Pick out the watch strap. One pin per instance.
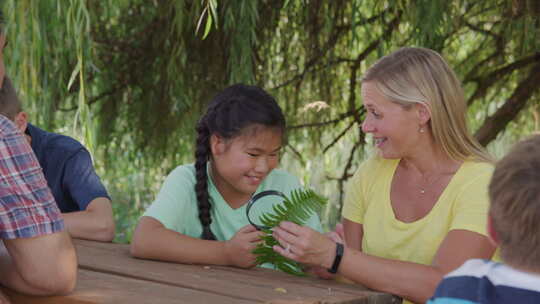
(337, 259)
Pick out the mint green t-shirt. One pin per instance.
(176, 204)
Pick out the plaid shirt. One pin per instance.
(27, 207)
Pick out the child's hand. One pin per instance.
(3, 299)
(340, 231)
(337, 235)
(239, 248)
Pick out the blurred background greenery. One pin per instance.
(129, 78)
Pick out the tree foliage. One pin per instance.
(132, 77)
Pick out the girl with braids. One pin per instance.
(199, 214)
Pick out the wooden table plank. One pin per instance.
(96, 287)
(256, 285)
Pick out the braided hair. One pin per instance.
(228, 114)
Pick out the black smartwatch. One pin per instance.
(337, 259)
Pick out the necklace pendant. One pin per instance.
(422, 191)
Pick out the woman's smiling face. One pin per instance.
(395, 129)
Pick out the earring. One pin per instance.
(421, 130)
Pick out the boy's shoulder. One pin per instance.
(474, 267)
(484, 281)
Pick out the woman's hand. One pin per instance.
(4, 299)
(239, 248)
(304, 245)
(336, 236)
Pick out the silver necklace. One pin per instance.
(424, 189)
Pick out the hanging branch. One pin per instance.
(497, 122)
(324, 123)
(485, 82)
(346, 175)
(296, 153)
(330, 44)
(340, 135)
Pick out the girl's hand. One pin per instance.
(338, 235)
(3, 299)
(304, 245)
(239, 248)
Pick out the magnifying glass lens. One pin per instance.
(262, 206)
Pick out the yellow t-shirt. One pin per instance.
(462, 205)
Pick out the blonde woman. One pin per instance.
(417, 209)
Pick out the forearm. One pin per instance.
(45, 265)
(10, 277)
(95, 223)
(415, 282)
(167, 245)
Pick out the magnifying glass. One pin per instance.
(265, 201)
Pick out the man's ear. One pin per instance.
(424, 113)
(217, 144)
(21, 121)
(492, 234)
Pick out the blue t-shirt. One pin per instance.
(68, 169)
(482, 281)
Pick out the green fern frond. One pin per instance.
(297, 208)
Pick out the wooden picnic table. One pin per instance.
(108, 274)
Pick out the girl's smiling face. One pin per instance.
(240, 164)
(395, 129)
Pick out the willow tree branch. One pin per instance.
(324, 123)
(346, 175)
(497, 122)
(340, 135)
(95, 99)
(356, 64)
(296, 153)
(485, 82)
(310, 66)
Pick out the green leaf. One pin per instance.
(297, 208)
(208, 26)
(74, 75)
(199, 22)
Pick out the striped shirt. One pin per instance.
(484, 281)
(27, 207)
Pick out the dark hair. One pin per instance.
(514, 192)
(10, 105)
(228, 114)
